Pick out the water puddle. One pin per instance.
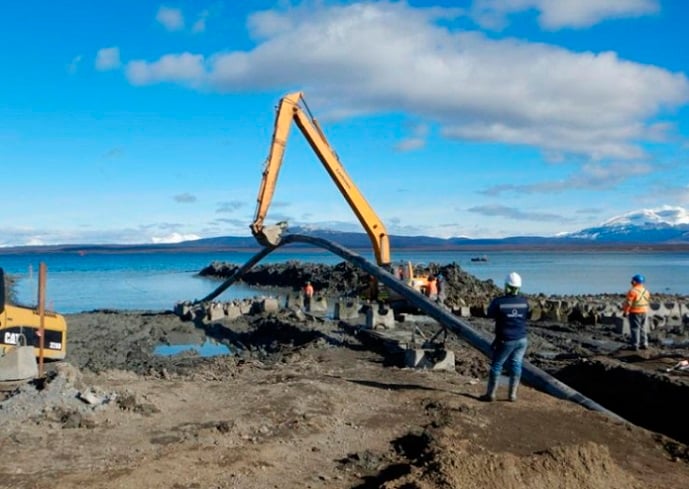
(208, 349)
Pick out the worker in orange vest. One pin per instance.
(432, 288)
(636, 307)
(308, 294)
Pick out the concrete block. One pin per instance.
(245, 306)
(232, 311)
(440, 359)
(347, 308)
(319, 305)
(18, 364)
(184, 311)
(414, 358)
(269, 305)
(294, 301)
(380, 319)
(621, 325)
(215, 311)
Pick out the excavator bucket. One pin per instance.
(271, 235)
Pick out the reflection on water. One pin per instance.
(209, 349)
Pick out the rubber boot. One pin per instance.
(512, 393)
(489, 396)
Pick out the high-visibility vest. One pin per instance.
(637, 300)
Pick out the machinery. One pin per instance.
(20, 335)
(293, 107)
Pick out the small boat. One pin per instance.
(479, 258)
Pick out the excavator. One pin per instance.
(20, 337)
(292, 107)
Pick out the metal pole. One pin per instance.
(41, 314)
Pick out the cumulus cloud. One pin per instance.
(184, 68)
(557, 14)
(170, 18)
(108, 59)
(390, 57)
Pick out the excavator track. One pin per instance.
(531, 375)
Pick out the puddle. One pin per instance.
(208, 349)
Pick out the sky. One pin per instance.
(138, 121)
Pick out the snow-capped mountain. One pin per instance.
(664, 225)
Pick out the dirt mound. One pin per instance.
(586, 466)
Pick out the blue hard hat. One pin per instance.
(638, 278)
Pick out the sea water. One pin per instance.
(156, 281)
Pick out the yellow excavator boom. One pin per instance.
(290, 109)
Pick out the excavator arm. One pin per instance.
(290, 109)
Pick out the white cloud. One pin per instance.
(557, 14)
(108, 59)
(383, 57)
(170, 18)
(184, 68)
(174, 238)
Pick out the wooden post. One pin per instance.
(41, 314)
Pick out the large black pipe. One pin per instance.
(531, 374)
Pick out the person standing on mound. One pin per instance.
(510, 312)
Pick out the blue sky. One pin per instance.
(140, 121)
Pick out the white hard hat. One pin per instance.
(513, 279)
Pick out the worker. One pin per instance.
(308, 295)
(510, 312)
(636, 308)
(442, 288)
(432, 288)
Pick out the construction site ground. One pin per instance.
(307, 404)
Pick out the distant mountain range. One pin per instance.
(665, 228)
(667, 225)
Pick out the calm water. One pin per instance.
(156, 281)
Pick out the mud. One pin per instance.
(303, 402)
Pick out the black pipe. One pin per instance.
(531, 374)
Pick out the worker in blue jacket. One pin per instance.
(510, 312)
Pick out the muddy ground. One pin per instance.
(308, 402)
